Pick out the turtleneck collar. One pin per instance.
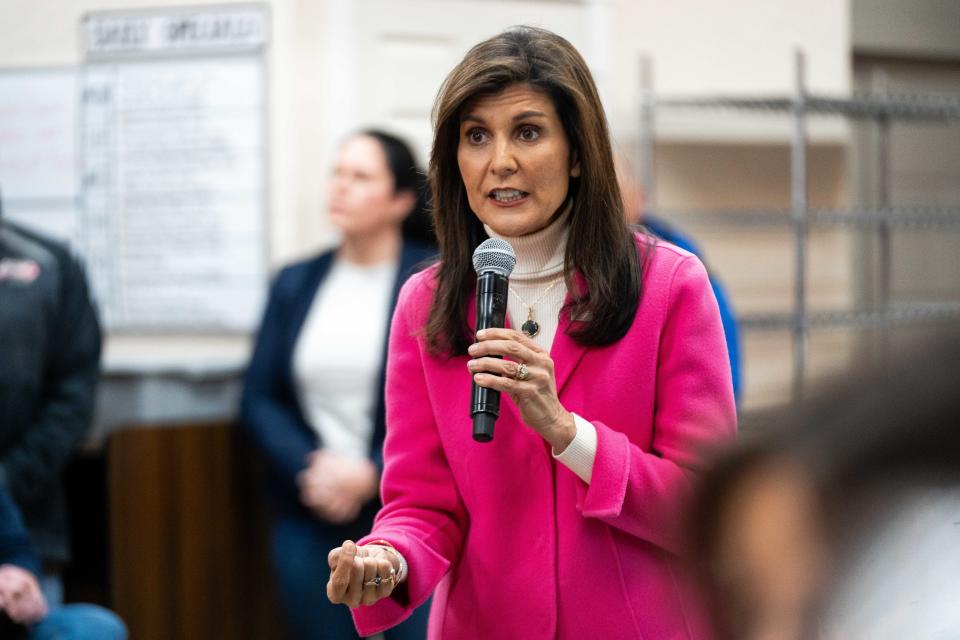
(542, 253)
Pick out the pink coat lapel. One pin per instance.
(566, 352)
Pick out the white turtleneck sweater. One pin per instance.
(537, 283)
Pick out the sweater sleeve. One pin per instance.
(422, 515)
(65, 410)
(582, 450)
(644, 493)
(267, 410)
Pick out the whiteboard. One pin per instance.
(154, 172)
(174, 191)
(38, 149)
(151, 160)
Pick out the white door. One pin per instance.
(394, 55)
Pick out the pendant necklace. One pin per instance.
(531, 327)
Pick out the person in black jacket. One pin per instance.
(49, 367)
(313, 394)
(24, 612)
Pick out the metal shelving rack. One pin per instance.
(881, 108)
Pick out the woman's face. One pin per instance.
(515, 160)
(362, 199)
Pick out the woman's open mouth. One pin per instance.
(507, 197)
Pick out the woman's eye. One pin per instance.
(476, 136)
(529, 134)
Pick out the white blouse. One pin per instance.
(339, 354)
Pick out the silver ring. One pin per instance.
(523, 372)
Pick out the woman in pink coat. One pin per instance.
(568, 524)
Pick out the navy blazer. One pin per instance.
(270, 410)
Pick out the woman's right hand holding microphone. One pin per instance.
(362, 575)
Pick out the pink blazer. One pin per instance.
(513, 542)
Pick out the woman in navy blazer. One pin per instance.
(323, 440)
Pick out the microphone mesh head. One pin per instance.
(494, 255)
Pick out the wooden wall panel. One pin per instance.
(188, 536)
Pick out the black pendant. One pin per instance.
(530, 327)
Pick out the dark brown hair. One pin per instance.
(417, 226)
(601, 247)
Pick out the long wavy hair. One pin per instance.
(601, 248)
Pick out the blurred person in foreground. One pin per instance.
(313, 394)
(24, 611)
(566, 525)
(49, 368)
(842, 520)
(634, 208)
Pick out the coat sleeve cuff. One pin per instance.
(607, 491)
(580, 453)
(425, 570)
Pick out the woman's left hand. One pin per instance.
(534, 394)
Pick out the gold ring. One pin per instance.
(379, 580)
(523, 372)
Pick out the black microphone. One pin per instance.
(493, 261)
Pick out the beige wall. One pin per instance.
(924, 171)
(756, 263)
(731, 47)
(907, 28)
